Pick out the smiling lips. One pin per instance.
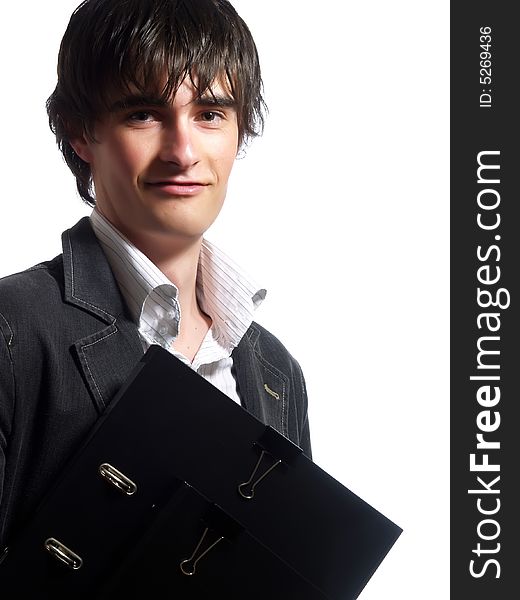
(177, 187)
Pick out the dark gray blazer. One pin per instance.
(67, 343)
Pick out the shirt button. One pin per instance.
(170, 314)
(163, 330)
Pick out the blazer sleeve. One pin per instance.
(302, 412)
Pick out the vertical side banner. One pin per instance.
(485, 274)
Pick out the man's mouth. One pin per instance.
(177, 186)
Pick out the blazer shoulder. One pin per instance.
(34, 286)
(30, 296)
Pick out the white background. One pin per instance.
(341, 210)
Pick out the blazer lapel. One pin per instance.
(263, 389)
(107, 355)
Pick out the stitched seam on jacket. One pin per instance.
(304, 395)
(253, 331)
(8, 344)
(7, 499)
(87, 365)
(10, 341)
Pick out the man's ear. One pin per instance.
(82, 148)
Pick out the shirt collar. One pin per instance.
(224, 291)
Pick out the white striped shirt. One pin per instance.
(223, 291)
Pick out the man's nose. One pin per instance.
(178, 144)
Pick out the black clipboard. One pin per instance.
(170, 450)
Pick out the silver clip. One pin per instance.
(63, 554)
(243, 486)
(184, 564)
(117, 479)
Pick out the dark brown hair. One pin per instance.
(112, 46)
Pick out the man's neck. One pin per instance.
(178, 260)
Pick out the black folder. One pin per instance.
(179, 491)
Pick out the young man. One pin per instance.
(154, 99)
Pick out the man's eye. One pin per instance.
(141, 116)
(211, 116)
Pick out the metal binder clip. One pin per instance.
(279, 449)
(190, 570)
(117, 479)
(63, 554)
(243, 490)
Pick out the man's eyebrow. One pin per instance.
(139, 100)
(216, 100)
(135, 101)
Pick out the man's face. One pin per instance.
(162, 169)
